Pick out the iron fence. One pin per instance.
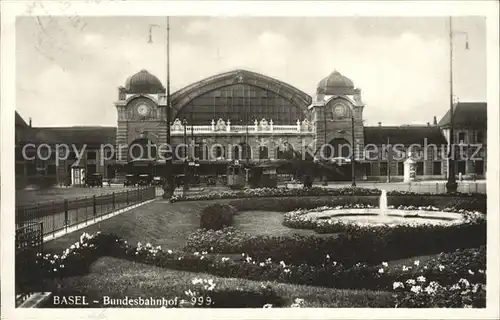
(59, 215)
(29, 244)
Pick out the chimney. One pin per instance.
(435, 121)
(30, 122)
(380, 124)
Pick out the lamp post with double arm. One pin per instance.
(451, 184)
(168, 186)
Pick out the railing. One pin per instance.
(29, 244)
(60, 215)
(263, 126)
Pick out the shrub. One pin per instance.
(217, 216)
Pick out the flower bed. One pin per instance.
(299, 219)
(278, 192)
(317, 191)
(355, 243)
(450, 280)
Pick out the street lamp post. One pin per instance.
(184, 124)
(168, 187)
(353, 169)
(451, 184)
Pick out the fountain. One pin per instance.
(387, 215)
(383, 203)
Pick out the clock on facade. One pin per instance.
(143, 110)
(339, 110)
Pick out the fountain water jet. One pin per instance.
(383, 203)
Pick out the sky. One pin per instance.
(68, 69)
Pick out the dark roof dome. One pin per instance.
(144, 82)
(335, 83)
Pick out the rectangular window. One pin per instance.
(368, 169)
(461, 167)
(420, 168)
(383, 168)
(461, 137)
(401, 168)
(479, 167)
(436, 168)
(479, 137)
(111, 172)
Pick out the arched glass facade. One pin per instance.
(240, 103)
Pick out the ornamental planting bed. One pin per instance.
(361, 264)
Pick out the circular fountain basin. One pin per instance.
(390, 216)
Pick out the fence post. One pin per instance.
(476, 186)
(94, 205)
(66, 214)
(54, 218)
(127, 197)
(86, 206)
(437, 188)
(114, 201)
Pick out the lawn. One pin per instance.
(267, 223)
(158, 222)
(119, 278)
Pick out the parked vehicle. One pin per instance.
(130, 180)
(158, 181)
(94, 180)
(144, 180)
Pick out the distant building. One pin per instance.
(470, 127)
(245, 116)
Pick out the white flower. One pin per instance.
(334, 263)
(464, 282)
(421, 279)
(385, 264)
(471, 272)
(430, 290)
(480, 271)
(411, 282)
(328, 256)
(55, 269)
(169, 251)
(262, 264)
(441, 267)
(396, 285)
(268, 305)
(405, 268)
(455, 287)
(416, 289)
(196, 253)
(381, 270)
(417, 262)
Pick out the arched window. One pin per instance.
(218, 152)
(242, 151)
(286, 151)
(263, 153)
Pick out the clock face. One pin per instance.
(143, 109)
(339, 110)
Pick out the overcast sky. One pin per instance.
(68, 70)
